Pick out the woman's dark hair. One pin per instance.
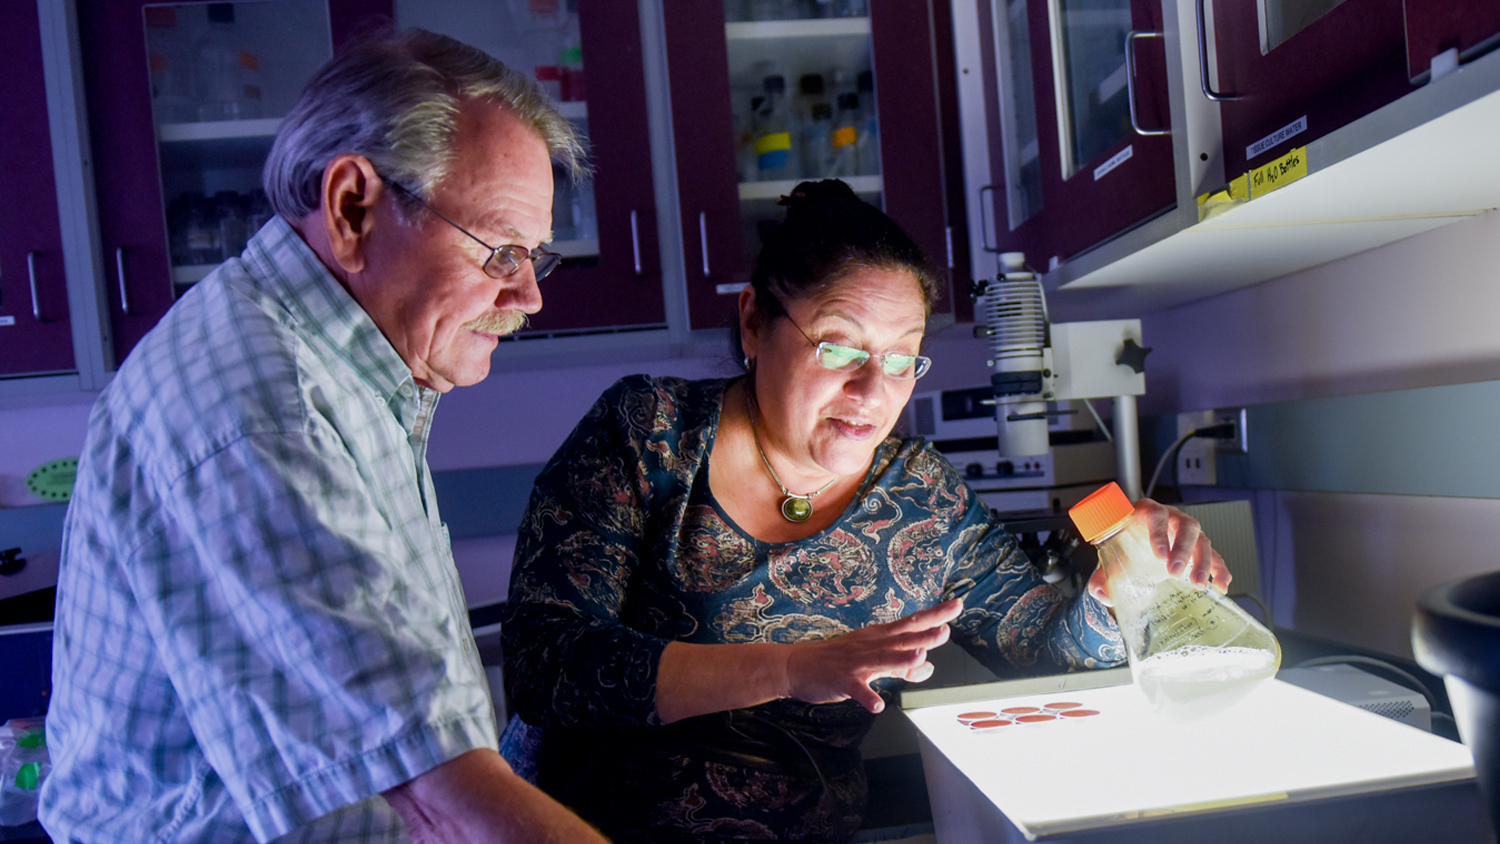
(828, 233)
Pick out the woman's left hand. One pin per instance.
(1178, 539)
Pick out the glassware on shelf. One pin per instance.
(845, 159)
(570, 62)
(774, 153)
(257, 212)
(200, 232)
(229, 211)
(868, 142)
(817, 142)
(228, 75)
(171, 67)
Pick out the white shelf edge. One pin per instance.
(810, 28)
(772, 191)
(218, 130)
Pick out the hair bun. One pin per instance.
(810, 193)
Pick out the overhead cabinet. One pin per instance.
(35, 330)
(1299, 132)
(1287, 72)
(745, 85)
(1084, 129)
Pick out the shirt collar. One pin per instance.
(325, 312)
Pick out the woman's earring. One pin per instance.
(749, 363)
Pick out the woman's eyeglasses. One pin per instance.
(847, 359)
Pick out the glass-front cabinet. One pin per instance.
(183, 102)
(35, 334)
(1080, 125)
(1286, 72)
(767, 93)
(605, 226)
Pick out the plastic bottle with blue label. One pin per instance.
(775, 154)
(1192, 650)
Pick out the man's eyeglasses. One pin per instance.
(847, 359)
(502, 260)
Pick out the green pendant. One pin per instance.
(796, 509)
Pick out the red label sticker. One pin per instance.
(1034, 719)
(1021, 710)
(990, 724)
(1079, 713)
(975, 716)
(1058, 707)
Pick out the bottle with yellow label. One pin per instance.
(1191, 649)
(775, 156)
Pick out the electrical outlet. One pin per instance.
(1241, 442)
(1197, 462)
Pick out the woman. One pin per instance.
(711, 575)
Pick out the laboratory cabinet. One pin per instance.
(1446, 33)
(752, 88)
(177, 151)
(589, 58)
(183, 101)
(1080, 123)
(1300, 132)
(1290, 71)
(35, 332)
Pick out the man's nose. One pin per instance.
(521, 293)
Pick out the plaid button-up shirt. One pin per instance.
(259, 624)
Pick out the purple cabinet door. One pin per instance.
(1096, 153)
(1303, 78)
(703, 132)
(622, 286)
(907, 66)
(127, 180)
(1107, 149)
(1434, 27)
(35, 336)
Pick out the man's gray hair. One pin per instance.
(394, 99)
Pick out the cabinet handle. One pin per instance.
(635, 241)
(1208, 90)
(984, 228)
(36, 303)
(1130, 39)
(703, 238)
(120, 271)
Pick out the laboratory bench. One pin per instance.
(899, 808)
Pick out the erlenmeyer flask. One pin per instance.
(1191, 649)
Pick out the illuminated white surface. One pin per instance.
(1128, 763)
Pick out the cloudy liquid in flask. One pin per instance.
(1192, 650)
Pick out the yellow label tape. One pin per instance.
(1279, 173)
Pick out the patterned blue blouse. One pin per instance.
(624, 548)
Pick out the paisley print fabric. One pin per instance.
(623, 548)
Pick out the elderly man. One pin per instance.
(260, 631)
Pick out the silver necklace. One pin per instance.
(794, 507)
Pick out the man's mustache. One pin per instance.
(499, 322)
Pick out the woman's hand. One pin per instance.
(841, 668)
(1178, 539)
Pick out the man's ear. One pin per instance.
(350, 190)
